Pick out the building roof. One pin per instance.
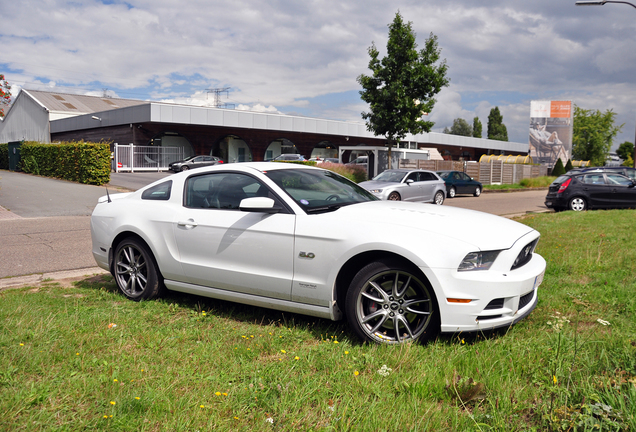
(79, 104)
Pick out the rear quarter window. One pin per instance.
(160, 192)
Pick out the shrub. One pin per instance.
(4, 156)
(354, 173)
(558, 168)
(79, 161)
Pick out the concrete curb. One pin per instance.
(38, 278)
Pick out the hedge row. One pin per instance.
(78, 161)
(4, 156)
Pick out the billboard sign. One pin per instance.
(550, 131)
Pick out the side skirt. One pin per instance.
(270, 303)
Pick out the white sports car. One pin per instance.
(306, 240)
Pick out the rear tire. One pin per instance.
(390, 303)
(577, 204)
(439, 198)
(136, 271)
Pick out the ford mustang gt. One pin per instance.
(306, 240)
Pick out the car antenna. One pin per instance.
(108, 195)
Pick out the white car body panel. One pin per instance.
(291, 260)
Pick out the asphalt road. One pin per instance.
(45, 223)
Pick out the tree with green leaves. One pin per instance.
(5, 94)
(625, 150)
(496, 129)
(593, 134)
(558, 168)
(402, 85)
(568, 165)
(460, 127)
(477, 128)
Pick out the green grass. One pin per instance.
(542, 182)
(190, 363)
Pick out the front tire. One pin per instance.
(185, 168)
(477, 191)
(452, 192)
(394, 196)
(136, 272)
(439, 198)
(389, 303)
(577, 204)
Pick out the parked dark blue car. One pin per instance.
(458, 182)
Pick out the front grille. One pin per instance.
(525, 255)
(525, 299)
(495, 304)
(489, 317)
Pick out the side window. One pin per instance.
(465, 177)
(412, 176)
(618, 179)
(160, 192)
(426, 176)
(223, 191)
(595, 179)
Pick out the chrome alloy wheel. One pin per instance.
(393, 307)
(131, 270)
(577, 204)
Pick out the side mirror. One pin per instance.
(258, 205)
(409, 181)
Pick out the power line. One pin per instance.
(217, 97)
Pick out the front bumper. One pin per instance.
(497, 298)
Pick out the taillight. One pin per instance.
(564, 185)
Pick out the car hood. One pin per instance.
(482, 230)
(372, 184)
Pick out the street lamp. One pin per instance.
(601, 3)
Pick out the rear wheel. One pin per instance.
(452, 192)
(477, 191)
(394, 196)
(439, 198)
(387, 302)
(136, 272)
(577, 204)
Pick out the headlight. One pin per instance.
(376, 191)
(478, 261)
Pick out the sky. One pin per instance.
(303, 57)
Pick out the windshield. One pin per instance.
(390, 176)
(319, 190)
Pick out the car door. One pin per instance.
(622, 192)
(223, 247)
(427, 185)
(596, 191)
(410, 191)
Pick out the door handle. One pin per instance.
(189, 224)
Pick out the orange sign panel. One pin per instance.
(561, 109)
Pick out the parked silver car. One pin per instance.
(407, 185)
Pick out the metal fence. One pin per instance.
(495, 172)
(144, 158)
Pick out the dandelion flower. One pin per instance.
(356, 373)
(203, 313)
(224, 394)
(236, 418)
(201, 406)
(218, 393)
(346, 352)
(115, 380)
(283, 351)
(137, 397)
(554, 379)
(113, 402)
(21, 344)
(296, 358)
(335, 341)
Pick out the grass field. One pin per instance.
(85, 358)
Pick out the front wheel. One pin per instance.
(387, 302)
(185, 168)
(439, 198)
(452, 192)
(477, 191)
(394, 196)
(136, 272)
(577, 204)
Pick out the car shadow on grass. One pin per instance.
(319, 328)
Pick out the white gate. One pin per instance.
(145, 158)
